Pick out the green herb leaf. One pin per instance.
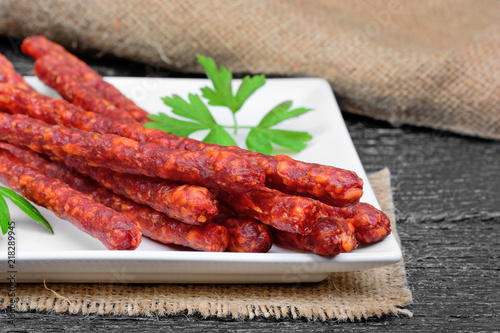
(280, 113)
(4, 216)
(195, 109)
(248, 86)
(174, 125)
(260, 138)
(290, 139)
(222, 93)
(25, 206)
(198, 117)
(220, 136)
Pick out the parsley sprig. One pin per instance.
(198, 116)
(23, 204)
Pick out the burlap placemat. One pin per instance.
(343, 296)
(433, 63)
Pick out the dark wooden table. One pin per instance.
(447, 196)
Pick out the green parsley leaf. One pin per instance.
(197, 116)
(290, 139)
(260, 138)
(173, 125)
(248, 86)
(220, 136)
(195, 110)
(222, 94)
(280, 113)
(25, 206)
(4, 216)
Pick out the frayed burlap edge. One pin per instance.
(342, 296)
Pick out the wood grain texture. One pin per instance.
(447, 197)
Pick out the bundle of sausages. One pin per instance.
(89, 159)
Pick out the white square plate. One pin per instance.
(73, 256)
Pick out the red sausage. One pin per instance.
(9, 75)
(57, 111)
(116, 231)
(155, 225)
(208, 237)
(371, 224)
(246, 234)
(284, 212)
(39, 46)
(220, 170)
(329, 237)
(190, 204)
(73, 89)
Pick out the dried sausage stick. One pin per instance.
(116, 231)
(73, 89)
(329, 237)
(51, 169)
(38, 46)
(338, 187)
(190, 204)
(220, 170)
(371, 224)
(9, 75)
(345, 186)
(281, 211)
(155, 225)
(328, 184)
(245, 234)
(208, 237)
(58, 111)
(331, 185)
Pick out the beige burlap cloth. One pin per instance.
(432, 63)
(342, 296)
